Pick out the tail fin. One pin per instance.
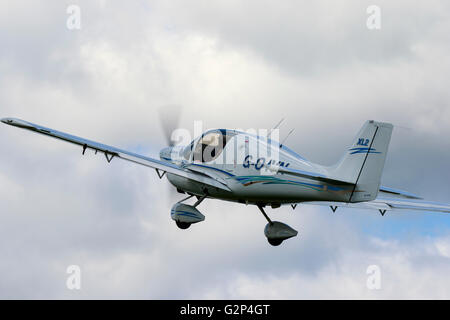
(364, 162)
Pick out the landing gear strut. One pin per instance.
(260, 207)
(276, 232)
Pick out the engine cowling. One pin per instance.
(185, 213)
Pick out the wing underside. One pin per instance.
(383, 204)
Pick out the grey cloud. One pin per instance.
(230, 65)
(304, 38)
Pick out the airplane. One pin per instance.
(227, 165)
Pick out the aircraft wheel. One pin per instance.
(183, 225)
(275, 242)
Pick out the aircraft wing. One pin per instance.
(382, 204)
(112, 152)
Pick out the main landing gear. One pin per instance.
(276, 232)
(184, 214)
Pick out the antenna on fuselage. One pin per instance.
(276, 127)
(282, 142)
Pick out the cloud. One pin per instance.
(232, 65)
(402, 276)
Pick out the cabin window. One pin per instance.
(210, 146)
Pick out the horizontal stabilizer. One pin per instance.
(388, 204)
(400, 193)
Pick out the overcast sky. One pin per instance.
(230, 64)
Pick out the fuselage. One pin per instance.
(248, 165)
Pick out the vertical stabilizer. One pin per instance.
(364, 161)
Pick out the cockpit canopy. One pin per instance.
(208, 146)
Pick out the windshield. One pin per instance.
(187, 151)
(209, 146)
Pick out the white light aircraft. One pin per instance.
(228, 165)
